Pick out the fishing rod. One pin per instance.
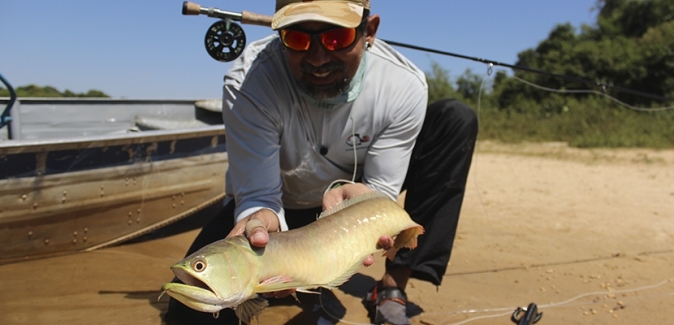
(602, 85)
(226, 40)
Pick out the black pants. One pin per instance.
(435, 184)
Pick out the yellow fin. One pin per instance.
(277, 283)
(306, 290)
(353, 200)
(250, 308)
(406, 238)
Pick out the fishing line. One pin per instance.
(557, 304)
(506, 311)
(355, 160)
(588, 91)
(325, 310)
(602, 85)
(477, 187)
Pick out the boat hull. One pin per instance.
(58, 197)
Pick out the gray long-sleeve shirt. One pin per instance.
(275, 135)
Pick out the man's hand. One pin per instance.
(256, 227)
(344, 192)
(385, 243)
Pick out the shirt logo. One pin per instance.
(357, 140)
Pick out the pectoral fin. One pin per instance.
(250, 308)
(277, 283)
(406, 238)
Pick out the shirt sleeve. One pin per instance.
(389, 155)
(252, 133)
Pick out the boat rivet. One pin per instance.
(173, 197)
(102, 194)
(129, 222)
(173, 205)
(65, 193)
(75, 233)
(46, 241)
(130, 214)
(74, 241)
(182, 202)
(30, 234)
(24, 197)
(34, 205)
(84, 239)
(63, 200)
(138, 220)
(102, 187)
(138, 210)
(86, 230)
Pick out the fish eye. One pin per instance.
(199, 265)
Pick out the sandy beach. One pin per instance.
(586, 234)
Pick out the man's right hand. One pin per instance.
(256, 227)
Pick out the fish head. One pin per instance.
(220, 275)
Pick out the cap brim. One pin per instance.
(345, 14)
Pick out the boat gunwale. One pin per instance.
(39, 145)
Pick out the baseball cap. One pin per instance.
(345, 13)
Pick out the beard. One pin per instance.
(329, 90)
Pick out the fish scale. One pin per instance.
(230, 274)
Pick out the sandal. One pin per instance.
(387, 305)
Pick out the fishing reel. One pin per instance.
(225, 40)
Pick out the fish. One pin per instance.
(230, 273)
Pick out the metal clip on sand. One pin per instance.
(527, 316)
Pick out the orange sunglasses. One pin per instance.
(332, 39)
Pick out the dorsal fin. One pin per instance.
(353, 200)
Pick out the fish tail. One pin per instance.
(406, 238)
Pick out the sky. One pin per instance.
(146, 49)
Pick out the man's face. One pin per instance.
(327, 74)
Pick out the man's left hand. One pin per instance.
(344, 192)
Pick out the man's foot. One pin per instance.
(387, 305)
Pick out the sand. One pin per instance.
(587, 235)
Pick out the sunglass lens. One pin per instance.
(339, 38)
(296, 40)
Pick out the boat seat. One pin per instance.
(162, 123)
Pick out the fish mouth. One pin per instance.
(191, 280)
(194, 293)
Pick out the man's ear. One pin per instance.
(371, 28)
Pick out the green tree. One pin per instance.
(48, 91)
(439, 83)
(469, 85)
(631, 46)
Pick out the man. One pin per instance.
(325, 101)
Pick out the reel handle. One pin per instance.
(245, 17)
(191, 8)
